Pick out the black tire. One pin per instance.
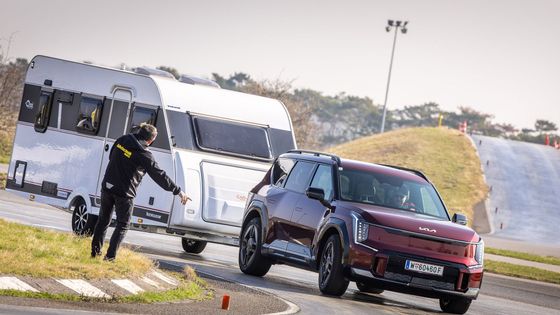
(83, 223)
(251, 261)
(363, 287)
(455, 305)
(331, 276)
(193, 246)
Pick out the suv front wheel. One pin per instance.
(331, 277)
(455, 305)
(251, 261)
(364, 287)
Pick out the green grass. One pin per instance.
(40, 253)
(525, 256)
(519, 271)
(446, 156)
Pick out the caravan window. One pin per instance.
(43, 113)
(89, 115)
(142, 115)
(231, 137)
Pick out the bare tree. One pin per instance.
(12, 75)
(305, 127)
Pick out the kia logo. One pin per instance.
(427, 229)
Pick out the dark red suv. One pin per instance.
(384, 227)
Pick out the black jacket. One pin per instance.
(129, 160)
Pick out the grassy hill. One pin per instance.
(446, 156)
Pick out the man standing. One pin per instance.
(129, 160)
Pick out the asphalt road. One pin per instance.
(500, 295)
(525, 189)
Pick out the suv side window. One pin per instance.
(280, 172)
(299, 177)
(323, 179)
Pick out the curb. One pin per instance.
(98, 289)
(292, 308)
(489, 215)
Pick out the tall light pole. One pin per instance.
(390, 25)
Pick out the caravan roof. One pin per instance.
(159, 91)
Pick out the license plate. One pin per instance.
(423, 268)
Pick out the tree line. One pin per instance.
(341, 118)
(319, 120)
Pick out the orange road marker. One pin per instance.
(225, 302)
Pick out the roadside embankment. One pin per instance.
(446, 156)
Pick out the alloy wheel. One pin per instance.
(327, 263)
(248, 244)
(80, 217)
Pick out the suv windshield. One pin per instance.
(391, 192)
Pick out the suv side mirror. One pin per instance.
(459, 219)
(317, 194)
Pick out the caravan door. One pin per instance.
(152, 205)
(117, 124)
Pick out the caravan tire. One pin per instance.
(83, 222)
(193, 246)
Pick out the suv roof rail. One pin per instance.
(317, 153)
(417, 172)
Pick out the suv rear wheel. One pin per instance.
(193, 246)
(363, 287)
(455, 305)
(251, 261)
(331, 277)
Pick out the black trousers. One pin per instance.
(123, 207)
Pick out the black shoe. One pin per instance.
(109, 259)
(93, 254)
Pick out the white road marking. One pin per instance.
(128, 285)
(82, 287)
(150, 282)
(165, 278)
(13, 283)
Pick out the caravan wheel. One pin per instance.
(83, 223)
(193, 246)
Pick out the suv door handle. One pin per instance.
(299, 209)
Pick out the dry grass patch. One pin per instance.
(445, 156)
(35, 252)
(3, 177)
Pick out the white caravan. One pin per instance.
(216, 144)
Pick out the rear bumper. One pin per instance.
(366, 276)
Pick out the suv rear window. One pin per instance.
(299, 176)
